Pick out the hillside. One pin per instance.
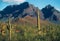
(51, 14)
(19, 23)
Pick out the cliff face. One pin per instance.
(14, 10)
(20, 11)
(51, 13)
(25, 9)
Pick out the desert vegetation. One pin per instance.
(26, 32)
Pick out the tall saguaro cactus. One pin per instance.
(38, 22)
(9, 24)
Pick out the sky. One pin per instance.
(37, 3)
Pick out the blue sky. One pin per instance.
(37, 3)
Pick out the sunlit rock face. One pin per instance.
(51, 13)
(25, 9)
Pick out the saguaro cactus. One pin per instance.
(9, 25)
(3, 29)
(38, 22)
